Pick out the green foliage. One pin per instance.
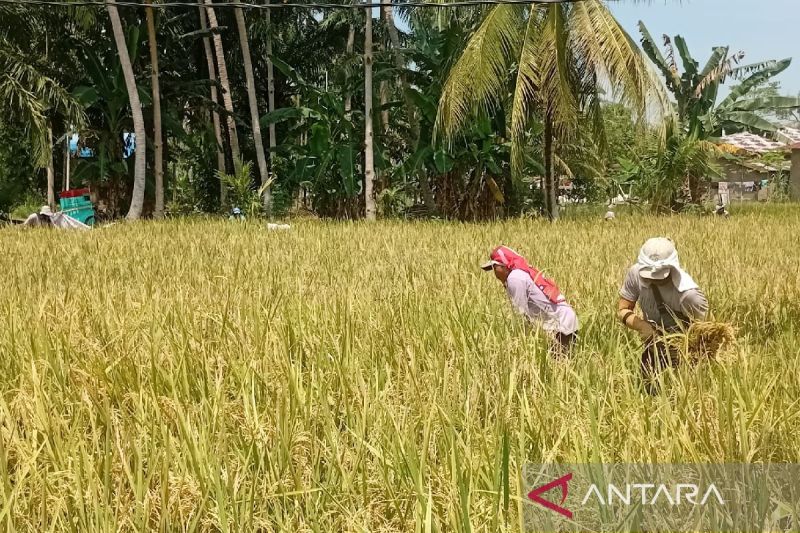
(29, 203)
(394, 201)
(695, 91)
(553, 54)
(17, 173)
(105, 98)
(669, 174)
(30, 97)
(240, 189)
(321, 146)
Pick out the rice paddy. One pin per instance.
(199, 375)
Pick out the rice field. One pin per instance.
(198, 375)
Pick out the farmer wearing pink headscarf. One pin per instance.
(536, 297)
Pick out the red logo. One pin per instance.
(563, 482)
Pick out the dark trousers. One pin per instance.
(561, 344)
(656, 356)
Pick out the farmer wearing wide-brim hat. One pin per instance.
(667, 295)
(44, 218)
(534, 296)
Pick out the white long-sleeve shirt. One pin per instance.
(530, 301)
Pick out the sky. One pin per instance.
(763, 29)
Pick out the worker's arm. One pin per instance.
(628, 317)
(694, 304)
(518, 294)
(628, 296)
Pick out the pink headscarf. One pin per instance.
(513, 261)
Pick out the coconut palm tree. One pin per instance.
(560, 56)
(28, 93)
(137, 198)
(158, 148)
(273, 137)
(233, 136)
(369, 165)
(349, 47)
(244, 43)
(212, 75)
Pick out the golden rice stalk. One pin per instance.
(705, 340)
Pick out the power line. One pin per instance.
(281, 5)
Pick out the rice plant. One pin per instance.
(200, 375)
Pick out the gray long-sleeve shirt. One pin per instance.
(530, 301)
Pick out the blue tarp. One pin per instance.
(73, 148)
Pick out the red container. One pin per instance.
(73, 193)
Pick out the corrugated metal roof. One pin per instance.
(790, 135)
(751, 142)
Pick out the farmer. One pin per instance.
(668, 297)
(535, 297)
(44, 218)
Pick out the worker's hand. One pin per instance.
(646, 331)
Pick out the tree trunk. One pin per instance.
(413, 119)
(212, 75)
(261, 160)
(51, 171)
(383, 179)
(369, 167)
(384, 92)
(273, 138)
(137, 197)
(551, 185)
(351, 39)
(65, 174)
(157, 146)
(226, 86)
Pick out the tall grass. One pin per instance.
(196, 375)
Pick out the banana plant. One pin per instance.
(322, 144)
(696, 90)
(465, 171)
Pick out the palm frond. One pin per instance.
(478, 80)
(525, 94)
(29, 95)
(600, 41)
(557, 81)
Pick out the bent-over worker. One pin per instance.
(536, 297)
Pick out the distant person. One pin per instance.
(535, 297)
(236, 214)
(47, 219)
(609, 216)
(43, 219)
(720, 210)
(667, 296)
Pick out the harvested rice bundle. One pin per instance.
(703, 340)
(707, 339)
